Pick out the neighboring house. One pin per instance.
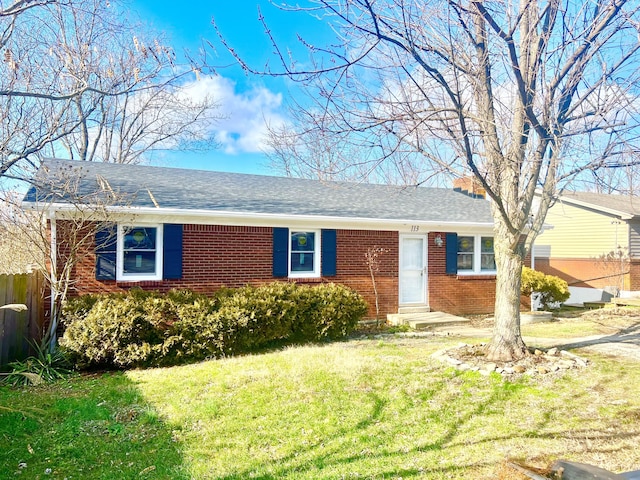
(593, 241)
(179, 228)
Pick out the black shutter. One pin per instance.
(329, 253)
(106, 239)
(451, 240)
(280, 252)
(172, 251)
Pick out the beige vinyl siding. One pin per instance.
(581, 233)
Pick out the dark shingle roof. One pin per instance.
(626, 205)
(184, 189)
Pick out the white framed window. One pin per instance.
(476, 254)
(304, 253)
(139, 252)
(487, 255)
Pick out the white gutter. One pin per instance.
(272, 219)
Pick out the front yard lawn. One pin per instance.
(368, 408)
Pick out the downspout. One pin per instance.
(53, 257)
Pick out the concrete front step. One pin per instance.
(427, 320)
(421, 309)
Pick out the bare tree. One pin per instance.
(523, 95)
(57, 239)
(622, 178)
(614, 267)
(303, 152)
(17, 255)
(77, 78)
(372, 260)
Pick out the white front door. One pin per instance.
(413, 270)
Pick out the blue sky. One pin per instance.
(247, 101)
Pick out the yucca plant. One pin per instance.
(44, 366)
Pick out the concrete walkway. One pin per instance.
(625, 343)
(622, 344)
(428, 321)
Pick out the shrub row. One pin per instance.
(141, 328)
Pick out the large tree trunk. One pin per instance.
(507, 343)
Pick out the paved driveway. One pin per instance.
(625, 343)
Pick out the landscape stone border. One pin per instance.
(468, 357)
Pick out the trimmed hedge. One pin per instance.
(141, 328)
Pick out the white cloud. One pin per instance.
(245, 115)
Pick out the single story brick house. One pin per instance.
(202, 230)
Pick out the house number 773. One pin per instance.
(415, 228)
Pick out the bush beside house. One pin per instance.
(552, 290)
(142, 328)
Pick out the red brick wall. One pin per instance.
(215, 256)
(634, 274)
(457, 294)
(462, 295)
(353, 270)
(588, 272)
(232, 256)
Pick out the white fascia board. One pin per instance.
(210, 217)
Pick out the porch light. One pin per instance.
(438, 240)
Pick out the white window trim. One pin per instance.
(317, 268)
(157, 275)
(477, 255)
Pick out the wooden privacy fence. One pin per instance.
(18, 327)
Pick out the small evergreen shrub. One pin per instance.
(198, 332)
(261, 314)
(120, 329)
(332, 311)
(552, 290)
(78, 307)
(141, 328)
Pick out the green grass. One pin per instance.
(97, 427)
(359, 409)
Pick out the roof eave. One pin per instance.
(267, 219)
